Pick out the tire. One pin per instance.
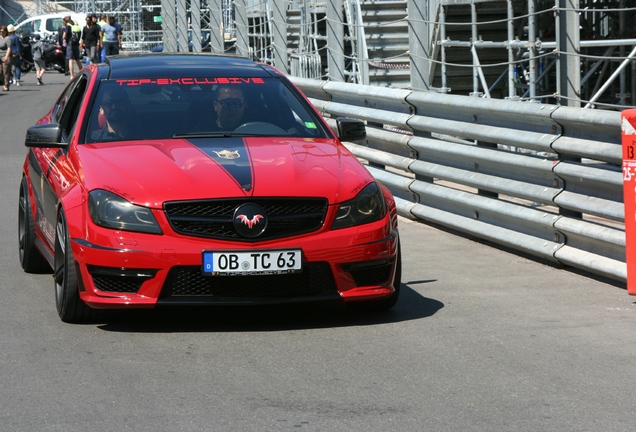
(386, 303)
(31, 259)
(70, 307)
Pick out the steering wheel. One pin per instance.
(260, 128)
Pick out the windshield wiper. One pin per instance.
(205, 135)
(220, 135)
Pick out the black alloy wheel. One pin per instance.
(70, 307)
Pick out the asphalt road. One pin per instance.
(481, 340)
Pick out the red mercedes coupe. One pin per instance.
(185, 179)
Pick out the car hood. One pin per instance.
(154, 171)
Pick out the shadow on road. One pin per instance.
(411, 306)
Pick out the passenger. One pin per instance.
(119, 115)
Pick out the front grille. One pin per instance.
(213, 218)
(316, 279)
(117, 284)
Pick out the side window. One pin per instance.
(68, 105)
(53, 24)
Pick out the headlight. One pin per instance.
(112, 211)
(368, 206)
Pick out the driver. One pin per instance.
(116, 109)
(230, 106)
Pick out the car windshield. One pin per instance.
(162, 108)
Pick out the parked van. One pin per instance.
(47, 25)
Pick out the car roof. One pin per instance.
(53, 15)
(157, 65)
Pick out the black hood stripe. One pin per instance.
(231, 153)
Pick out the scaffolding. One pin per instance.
(568, 52)
(565, 52)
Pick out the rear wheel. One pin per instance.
(70, 307)
(31, 259)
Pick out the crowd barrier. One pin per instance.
(539, 179)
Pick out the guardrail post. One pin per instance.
(379, 126)
(628, 129)
(483, 192)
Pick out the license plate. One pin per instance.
(262, 262)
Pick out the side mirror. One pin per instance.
(45, 135)
(351, 129)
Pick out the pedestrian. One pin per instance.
(5, 57)
(73, 37)
(16, 55)
(111, 33)
(38, 58)
(90, 39)
(61, 39)
(101, 47)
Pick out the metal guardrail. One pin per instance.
(539, 179)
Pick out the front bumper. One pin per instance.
(122, 269)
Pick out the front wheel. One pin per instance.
(70, 307)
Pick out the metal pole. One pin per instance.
(532, 39)
(281, 62)
(474, 38)
(512, 91)
(361, 44)
(242, 45)
(611, 79)
(182, 26)
(217, 44)
(569, 38)
(623, 77)
(419, 44)
(442, 29)
(169, 25)
(335, 40)
(195, 22)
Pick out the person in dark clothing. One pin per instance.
(90, 40)
(72, 37)
(61, 38)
